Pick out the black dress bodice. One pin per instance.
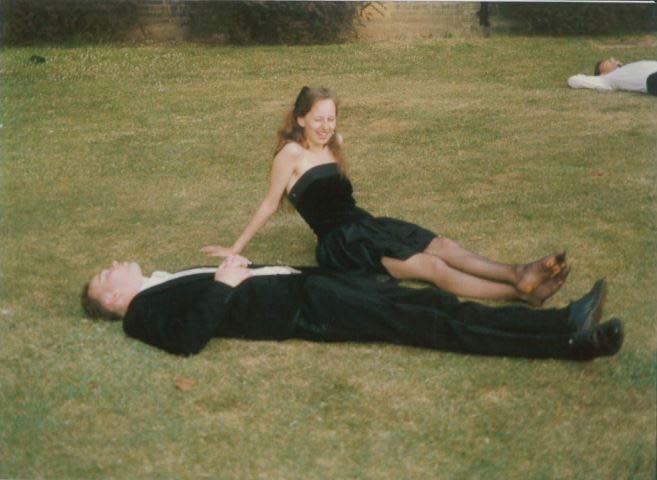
(323, 197)
(349, 238)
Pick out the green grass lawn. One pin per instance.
(149, 153)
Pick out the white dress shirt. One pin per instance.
(159, 276)
(631, 77)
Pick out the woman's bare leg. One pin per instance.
(525, 277)
(430, 268)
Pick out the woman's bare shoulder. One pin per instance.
(289, 157)
(291, 149)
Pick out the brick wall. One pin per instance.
(163, 20)
(406, 20)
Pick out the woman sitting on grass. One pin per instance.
(309, 167)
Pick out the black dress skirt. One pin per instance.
(349, 238)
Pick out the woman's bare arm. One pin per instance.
(282, 169)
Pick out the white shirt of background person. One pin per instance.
(631, 77)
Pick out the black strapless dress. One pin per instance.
(349, 238)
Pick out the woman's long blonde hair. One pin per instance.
(291, 131)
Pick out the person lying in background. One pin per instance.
(611, 74)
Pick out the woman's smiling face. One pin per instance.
(319, 123)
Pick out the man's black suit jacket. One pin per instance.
(182, 315)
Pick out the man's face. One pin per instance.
(116, 283)
(609, 65)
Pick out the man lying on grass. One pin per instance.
(611, 74)
(181, 312)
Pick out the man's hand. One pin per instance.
(236, 261)
(233, 271)
(217, 251)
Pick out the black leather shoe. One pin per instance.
(604, 340)
(585, 313)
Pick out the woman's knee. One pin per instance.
(442, 244)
